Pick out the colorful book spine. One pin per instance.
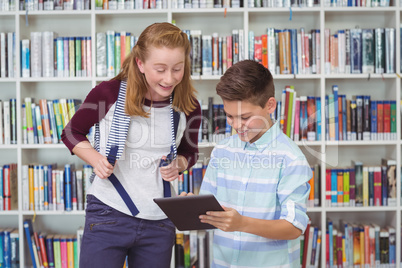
(28, 235)
(38, 120)
(67, 188)
(49, 250)
(28, 110)
(57, 251)
(58, 117)
(71, 57)
(52, 122)
(78, 59)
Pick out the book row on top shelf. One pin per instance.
(10, 5)
(282, 50)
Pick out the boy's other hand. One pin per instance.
(228, 221)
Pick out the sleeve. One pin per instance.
(92, 110)
(208, 185)
(293, 191)
(189, 144)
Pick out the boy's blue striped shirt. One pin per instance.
(267, 179)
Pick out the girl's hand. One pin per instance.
(171, 171)
(228, 221)
(102, 168)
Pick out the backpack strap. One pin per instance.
(174, 119)
(116, 143)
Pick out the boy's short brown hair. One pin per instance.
(247, 80)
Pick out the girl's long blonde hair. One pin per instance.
(157, 35)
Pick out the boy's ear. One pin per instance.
(271, 105)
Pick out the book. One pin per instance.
(43, 252)
(56, 251)
(49, 250)
(44, 115)
(390, 165)
(356, 50)
(31, 244)
(368, 50)
(15, 248)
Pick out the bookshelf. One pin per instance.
(327, 153)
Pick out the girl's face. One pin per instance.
(163, 70)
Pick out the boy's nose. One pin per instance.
(236, 124)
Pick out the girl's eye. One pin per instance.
(160, 71)
(177, 70)
(245, 118)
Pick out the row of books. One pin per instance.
(299, 117)
(190, 180)
(9, 248)
(47, 187)
(358, 51)
(287, 51)
(8, 187)
(361, 185)
(360, 118)
(214, 54)
(130, 4)
(181, 4)
(357, 3)
(360, 244)
(310, 247)
(357, 119)
(283, 3)
(8, 121)
(111, 49)
(214, 126)
(8, 66)
(193, 249)
(45, 55)
(53, 251)
(33, 5)
(43, 123)
(314, 199)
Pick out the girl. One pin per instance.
(136, 124)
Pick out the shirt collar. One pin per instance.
(265, 140)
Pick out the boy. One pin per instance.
(259, 176)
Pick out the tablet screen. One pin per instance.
(184, 211)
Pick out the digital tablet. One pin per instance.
(184, 211)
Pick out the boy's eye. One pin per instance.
(160, 70)
(245, 118)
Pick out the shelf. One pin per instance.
(360, 209)
(54, 213)
(56, 79)
(54, 13)
(283, 9)
(359, 143)
(329, 154)
(200, 11)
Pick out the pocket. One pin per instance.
(97, 207)
(166, 224)
(98, 215)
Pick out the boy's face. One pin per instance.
(249, 120)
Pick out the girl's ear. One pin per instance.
(140, 65)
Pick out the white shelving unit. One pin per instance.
(328, 154)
